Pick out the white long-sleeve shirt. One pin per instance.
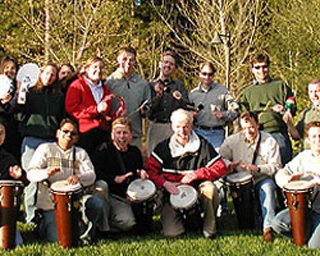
(74, 161)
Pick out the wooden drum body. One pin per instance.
(298, 199)
(241, 188)
(67, 203)
(10, 193)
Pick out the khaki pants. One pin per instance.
(171, 219)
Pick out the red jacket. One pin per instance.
(81, 105)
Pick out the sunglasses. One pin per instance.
(72, 133)
(206, 74)
(261, 67)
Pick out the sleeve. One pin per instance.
(300, 122)
(85, 172)
(74, 102)
(37, 170)
(154, 167)
(226, 151)
(215, 170)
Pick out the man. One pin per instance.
(132, 88)
(219, 106)
(186, 158)
(167, 95)
(258, 153)
(268, 97)
(307, 115)
(304, 165)
(117, 164)
(62, 160)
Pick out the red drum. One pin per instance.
(10, 192)
(241, 188)
(298, 199)
(67, 203)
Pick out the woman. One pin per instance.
(88, 100)
(40, 117)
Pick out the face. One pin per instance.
(182, 130)
(95, 71)
(260, 71)
(314, 93)
(121, 136)
(10, 70)
(126, 61)
(2, 134)
(67, 136)
(249, 128)
(167, 66)
(65, 71)
(314, 139)
(206, 74)
(48, 75)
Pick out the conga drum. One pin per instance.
(67, 203)
(241, 189)
(140, 191)
(298, 200)
(10, 191)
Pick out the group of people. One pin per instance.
(85, 129)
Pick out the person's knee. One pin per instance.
(208, 190)
(102, 189)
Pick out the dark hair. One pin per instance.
(171, 54)
(39, 84)
(122, 121)
(68, 65)
(310, 125)
(5, 60)
(128, 49)
(248, 115)
(259, 58)
(68, 120)
(209, 64)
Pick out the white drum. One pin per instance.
(62, 187)
(141, 190)
(185, 199)
(239, 178)
(298, 186)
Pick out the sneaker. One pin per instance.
(267, 235)
(207, 235)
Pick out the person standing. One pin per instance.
(257, 153)
(268, 98)
(168, 94)
(135, 91)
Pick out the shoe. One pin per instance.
(267, 235)
(208, 235)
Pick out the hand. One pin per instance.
(171, 187)
(249, 167)
(296, 176)
(73, 180)
(15, 171)
(218, 115)
(188, 178)
(102, 107)
(122, 178)
(159, 89)
(53, 171)
(287, 118)
(143, 174)
(6, 98)
(278, 108)
(232, 166)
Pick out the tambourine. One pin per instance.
(118, 106)
(28, 74)
(6, 86)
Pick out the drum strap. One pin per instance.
(255, 153)
(74, 160)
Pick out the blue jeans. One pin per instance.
(214, 137)
(285, 146)
(266, 190)
(281, 224)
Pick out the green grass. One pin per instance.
(230, 241)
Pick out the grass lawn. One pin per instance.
(230, 241)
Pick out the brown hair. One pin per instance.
(122, 121)
(5, 60)
(310, 125)
(259, 58)
(39, 84)
(69, 121)
(209, 64)
(128, 49)
(248, 116)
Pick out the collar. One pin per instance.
(192, 146)
(269, 79)
(119, 75)
(91, 84)
(253, 142)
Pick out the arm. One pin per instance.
(37, 170)
(84, 168)
(154, 167)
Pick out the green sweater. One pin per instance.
(261, 97)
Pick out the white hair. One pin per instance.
(181, 115)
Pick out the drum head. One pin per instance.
(238, 177)
(63, 186)
(13, 183)
(28, 74)
(186, 198)
(298, 185)
(6, 85)
(140, 190)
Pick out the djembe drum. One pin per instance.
(67, 203)
(298, 199)
(241, 189)
(10, 192)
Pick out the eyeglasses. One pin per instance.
(261, 67)
(207, 74)
(72, 133)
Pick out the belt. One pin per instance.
(203, 127)
(162, 121)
